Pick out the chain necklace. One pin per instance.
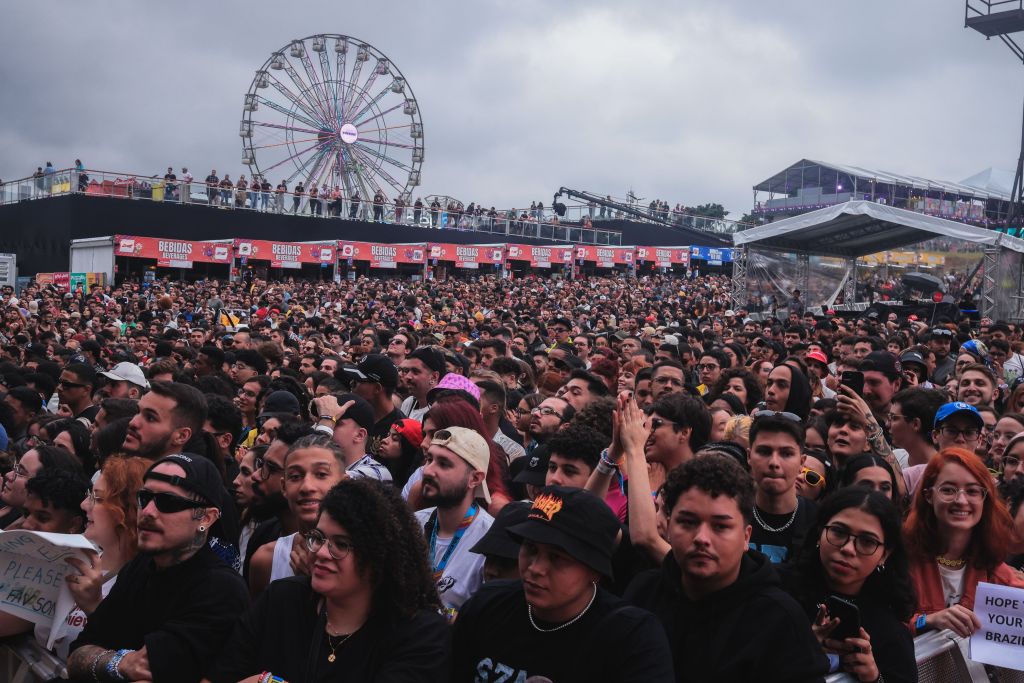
(529, 613)
(763, 525)
(330, 643)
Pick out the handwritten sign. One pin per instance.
(1000, 640)
(32, 569)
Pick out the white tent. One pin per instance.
(858, 228)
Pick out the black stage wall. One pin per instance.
(40, 231)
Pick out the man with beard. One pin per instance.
(419, 373)
(174, 605)
(455, 466)
(546, 419)
(940, 342)
(170, 414)
(268, 502)
(124, 380)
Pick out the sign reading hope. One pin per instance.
(1000, 640)
(32, 569)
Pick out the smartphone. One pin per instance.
(848, 615)
(853, 379)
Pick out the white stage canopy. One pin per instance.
(789, 254)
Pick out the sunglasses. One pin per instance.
(792, 417)
(812, 478)
(167, 502)
(67, 384)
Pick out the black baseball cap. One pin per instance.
(201, 477)
(496, 541)
(429, 357)
(534, 467)
(280, 404)
(360, 411)
(883, 362)
(374, 367)
(913, 357)
(577, 521)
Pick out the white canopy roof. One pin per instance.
(858, 228)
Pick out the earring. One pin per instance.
(202, 528)
(880, 568)
(817, 546)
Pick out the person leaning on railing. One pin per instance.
(957, 535)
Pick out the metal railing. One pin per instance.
(508, 224)
(940, 658)
(596, 214)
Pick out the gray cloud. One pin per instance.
(687, 101)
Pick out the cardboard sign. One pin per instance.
(32, 570)
(1000, 640)
(171, 253)
(285, 254)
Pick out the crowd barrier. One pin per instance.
(941, 658)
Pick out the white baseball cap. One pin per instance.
(127, 372)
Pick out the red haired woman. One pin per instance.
(957, 534)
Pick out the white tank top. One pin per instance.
(281, 568)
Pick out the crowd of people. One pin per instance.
(491, 480)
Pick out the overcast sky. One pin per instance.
(690, 101)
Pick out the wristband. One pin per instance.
(115, 661)
(605, 468)
(95, 661)
(607, 461)
(921, 623)
(833, 662)
(333, 420)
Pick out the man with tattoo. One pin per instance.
(174, 605)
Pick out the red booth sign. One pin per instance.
(468, 255)
(664, 257)
(171, 253)
(605, 257)
(541, 257)
(285, 254)
(382, 255)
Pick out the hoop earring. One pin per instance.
(202, 528)
(880, 568)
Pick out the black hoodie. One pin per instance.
(750, 631)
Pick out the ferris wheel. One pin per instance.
(333, 110)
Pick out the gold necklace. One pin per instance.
(331, 657)
(952, 564)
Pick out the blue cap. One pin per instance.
(950, 409)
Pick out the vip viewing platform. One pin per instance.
(41, 215)
(982, 199)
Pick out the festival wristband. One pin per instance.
(606, 460)
(114, 662)
(267, 677)
(921, 623)
(833, 662)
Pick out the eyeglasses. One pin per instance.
(812, 478)
(947, 493)
(707, 367)
(893, 416)
(659, 422)
(94, 499)
(19, 471)
(969, 434)
(167, 503)
(839, 536)
(546, 410)
(337, 549)
(267, 468)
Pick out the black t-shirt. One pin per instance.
(783, 546)
(495, 642)
(89, 413)
(381, 429)
(181, 615)
(283, 632)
